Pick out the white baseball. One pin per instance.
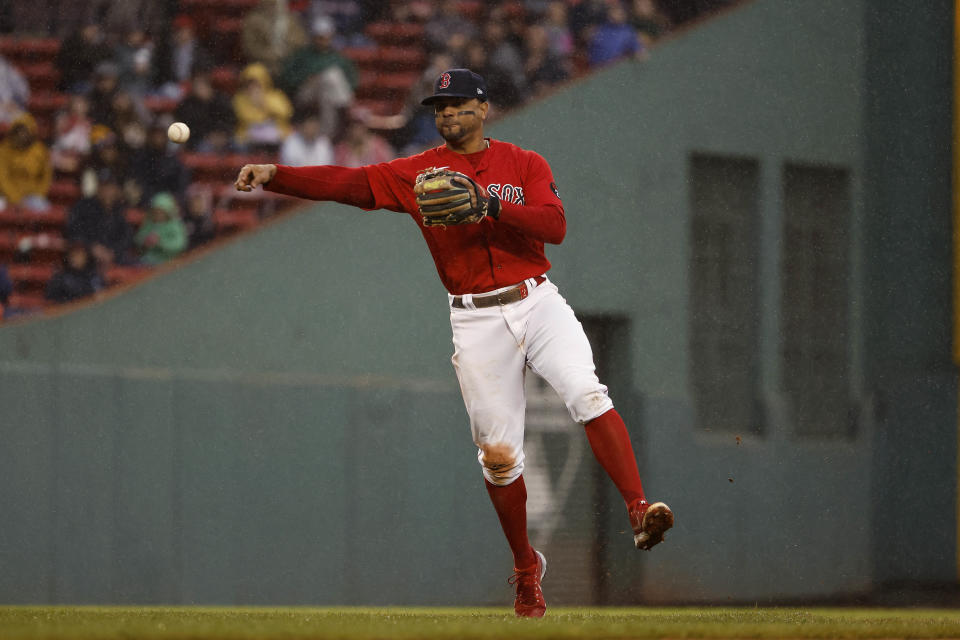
(178, 132)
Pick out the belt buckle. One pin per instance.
(507, 297)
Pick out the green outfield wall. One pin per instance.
(277, 421)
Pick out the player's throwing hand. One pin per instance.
(252, 175)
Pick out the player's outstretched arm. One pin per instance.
(347, 185)
(252, 175)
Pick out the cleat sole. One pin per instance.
(656, 521)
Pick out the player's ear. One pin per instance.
(484, 108)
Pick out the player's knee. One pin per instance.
(502, 477)
(501, 464)
(590, 402)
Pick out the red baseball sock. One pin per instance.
(510, 503)
(611, 446)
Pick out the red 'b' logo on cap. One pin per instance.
(445, 81)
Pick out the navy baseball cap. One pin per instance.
(458, 83)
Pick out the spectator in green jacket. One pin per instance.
(162, 235)
(318, 77)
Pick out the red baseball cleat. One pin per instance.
(530, 602)
(649, 523)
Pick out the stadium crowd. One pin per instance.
(284, 86)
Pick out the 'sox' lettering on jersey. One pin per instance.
(508, 193)
(444, 80)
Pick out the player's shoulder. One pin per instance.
(405, 168)
(502, 146)
(525, 157)
(416, 162)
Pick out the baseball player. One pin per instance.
(486, 208)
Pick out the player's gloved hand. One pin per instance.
(448, 198)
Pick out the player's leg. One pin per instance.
(611, 446)
(510, 503)
(490, 366)
(558, 350)
(490, 369)
(610, 442)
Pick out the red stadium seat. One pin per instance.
(24, 221)
(231, 221)
(41, 76)
(472, 9)
(65, 191)
(362, 56)
(46, 104)
(159, 104)
(390, 33)
(225, 6)
(31, 277)
(402, 58)
(385, 86)
(29, 301)
(40, 248)
(387, 107)
(224, 79)
(8, 246)
(212, 167)
(20, 49)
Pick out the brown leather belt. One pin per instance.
(513, 294)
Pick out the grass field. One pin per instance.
(76, 623)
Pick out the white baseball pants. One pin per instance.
(493, 346)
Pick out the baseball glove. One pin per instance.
(448, 198)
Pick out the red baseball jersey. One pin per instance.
(470, 258)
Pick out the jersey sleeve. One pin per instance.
(541, 215)
(387, 185)
(392, 185)
(346, 185)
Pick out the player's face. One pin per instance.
(457, 118)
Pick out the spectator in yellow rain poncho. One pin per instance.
(26, 170)
(263, 112)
